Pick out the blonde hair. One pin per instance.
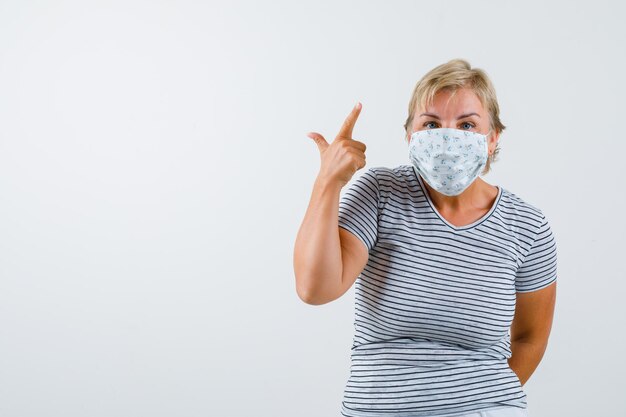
(455, 74)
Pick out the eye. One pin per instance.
(471, 125)
(428, 124)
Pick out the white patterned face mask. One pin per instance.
(448, 159)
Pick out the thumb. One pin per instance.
(319, 141)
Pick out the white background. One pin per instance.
(155, 169)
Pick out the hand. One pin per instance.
(344, 156)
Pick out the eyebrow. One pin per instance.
(463, 116)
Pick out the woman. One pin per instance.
(456, 277)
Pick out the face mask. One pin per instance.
(448, 159)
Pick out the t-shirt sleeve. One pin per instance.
(358, 208)
(538, 269)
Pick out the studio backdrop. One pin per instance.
(155, 169)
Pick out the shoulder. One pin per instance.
(387, 175)
(525, 214)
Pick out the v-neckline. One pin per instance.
(457, 228)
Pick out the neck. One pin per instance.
(472, 197)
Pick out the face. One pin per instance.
(464, 111)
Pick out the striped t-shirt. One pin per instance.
(435, 301)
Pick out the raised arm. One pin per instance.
(327, 259)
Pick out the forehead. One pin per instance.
(446, 103)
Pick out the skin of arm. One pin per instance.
(530, 330)
(317, 254)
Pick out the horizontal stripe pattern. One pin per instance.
(435, 301)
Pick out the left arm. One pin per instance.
(530, 330)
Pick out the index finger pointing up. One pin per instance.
(348, 124)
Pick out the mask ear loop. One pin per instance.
(487, 143)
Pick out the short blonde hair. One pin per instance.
(451, 76)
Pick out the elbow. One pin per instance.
(310, 295)
(303, 285)
(307, 296)
(313, 287)
(303, 295)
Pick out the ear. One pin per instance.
(493, 141)
(407, 138)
